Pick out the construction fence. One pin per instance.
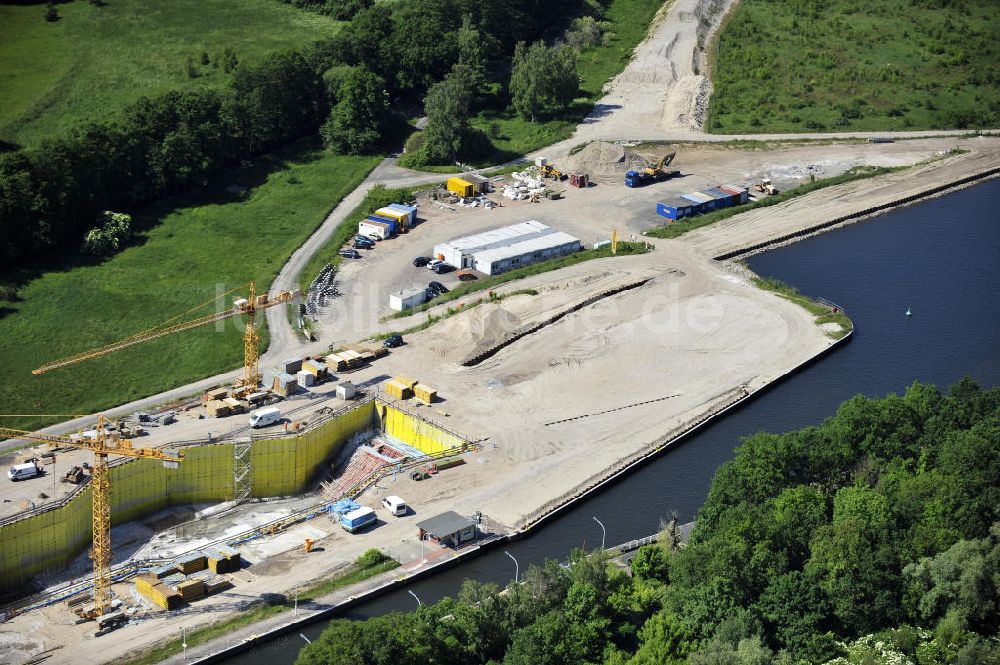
(279, 466)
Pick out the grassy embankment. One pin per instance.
(687, 224)
(783, 66)
(368, 565)
(491, 282)
(95, 60)
(188, 249)
(822, 313)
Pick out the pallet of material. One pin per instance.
(192, 563)
(217, 409)
(164, 596)
(337, 362)
(405, 380)
(449, 463)
(191, 589)
(223, 559)
(398, 390)
(216, 394)
(376, 351)
(235, 406)
(163, 571)
(353, 358)
(425, 394)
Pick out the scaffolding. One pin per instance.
(242, 477)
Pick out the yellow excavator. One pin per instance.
(655, 173)
(549, 171)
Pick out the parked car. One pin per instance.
(392, 341)
(395, 505)
(466, 277)
(350, 253)
(421, 261)
(361, 245)
(442, 268)
(366, 243)
(374, 238)
(433, 262)
(438, 287)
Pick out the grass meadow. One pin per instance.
(847, 65)
(94, 60)
(189, 248)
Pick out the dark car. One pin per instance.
(421, 261)
(393, 341)
(437, 287)
(363, 240)
(466, 277)
(350, 253)
(442, 268)
(363, 245)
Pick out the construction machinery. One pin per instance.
(74, 476)
(103, 444)
(550, 171)
(655, 173)
(247, 307)
(765, 187)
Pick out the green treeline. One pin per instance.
(343, 90)
(873, 538)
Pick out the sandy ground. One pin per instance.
(693, 332)
(660, 90)
(590, 215)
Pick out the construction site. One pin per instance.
(482, 412)
(502, 409)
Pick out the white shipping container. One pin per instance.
(401, 300)
(305, 378)
(368, 229)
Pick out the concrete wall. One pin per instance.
(279, 467)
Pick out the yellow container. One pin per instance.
(460, 187)
(425, 394)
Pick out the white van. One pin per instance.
(265, 417)
(23, 471)
(394, 505)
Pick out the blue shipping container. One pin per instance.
(675, 208)
(393, 225)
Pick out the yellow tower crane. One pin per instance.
(102, 445)
(248, 307)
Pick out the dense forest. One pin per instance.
(872, 538)
(346, 90)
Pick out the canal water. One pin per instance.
(939, 259)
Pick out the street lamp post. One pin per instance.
(184, 642)
(604, 533)
(517, 568)
(410, 591)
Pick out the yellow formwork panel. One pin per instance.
(280, 467)
(418, 433)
